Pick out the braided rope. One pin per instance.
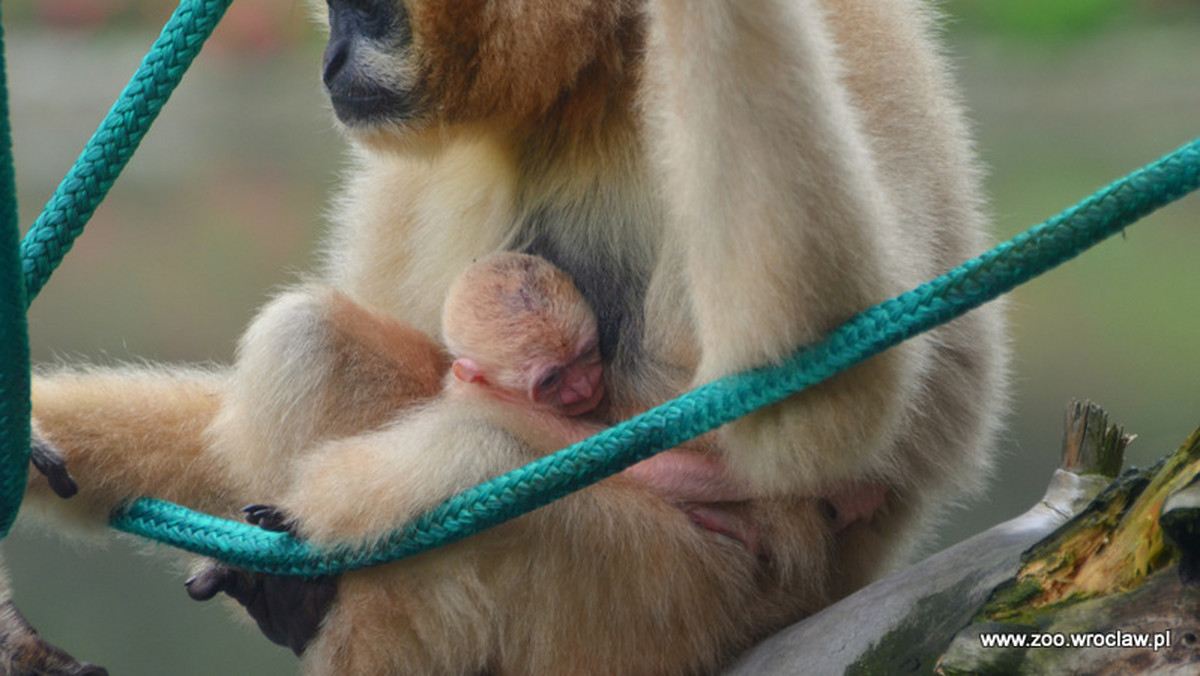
(113, 144)
(958, 291)
(546, 479)
(14, 338)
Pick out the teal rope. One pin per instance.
(114, 143)
(964, 288)
(14, 338)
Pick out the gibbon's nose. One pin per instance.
(337, 53)
(576, 387)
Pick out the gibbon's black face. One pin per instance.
(395, 67)
(365, 68)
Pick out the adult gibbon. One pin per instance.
(724, 181)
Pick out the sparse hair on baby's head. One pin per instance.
(508, 309)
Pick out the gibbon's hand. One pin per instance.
(270, 517)
(24, 653)
(50, 463)
(288, 610)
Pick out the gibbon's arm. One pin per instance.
(127, 432)
(314, 365)
(361, 487)
(771, 185)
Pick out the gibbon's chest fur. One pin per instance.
(573, 182)
(536, 152)
(592, 212)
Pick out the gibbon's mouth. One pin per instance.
(357, 99)
(362, 109)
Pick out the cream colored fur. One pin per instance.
(763, 169)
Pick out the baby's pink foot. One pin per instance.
(855, 502)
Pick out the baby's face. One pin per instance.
(574, 387)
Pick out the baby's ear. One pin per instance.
(467, 371)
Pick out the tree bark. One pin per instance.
(1109, 562)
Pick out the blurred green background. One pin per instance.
(223, 203)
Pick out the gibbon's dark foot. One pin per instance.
(24, 653)
(48, 461)
(288, 610)
(269, 517)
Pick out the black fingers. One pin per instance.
(270, 517)
(288, 610)
(50, 463)
(219, 578)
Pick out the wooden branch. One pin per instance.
(1090, 444)
(1092, 562)
(904, 622)
(1101, 586)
